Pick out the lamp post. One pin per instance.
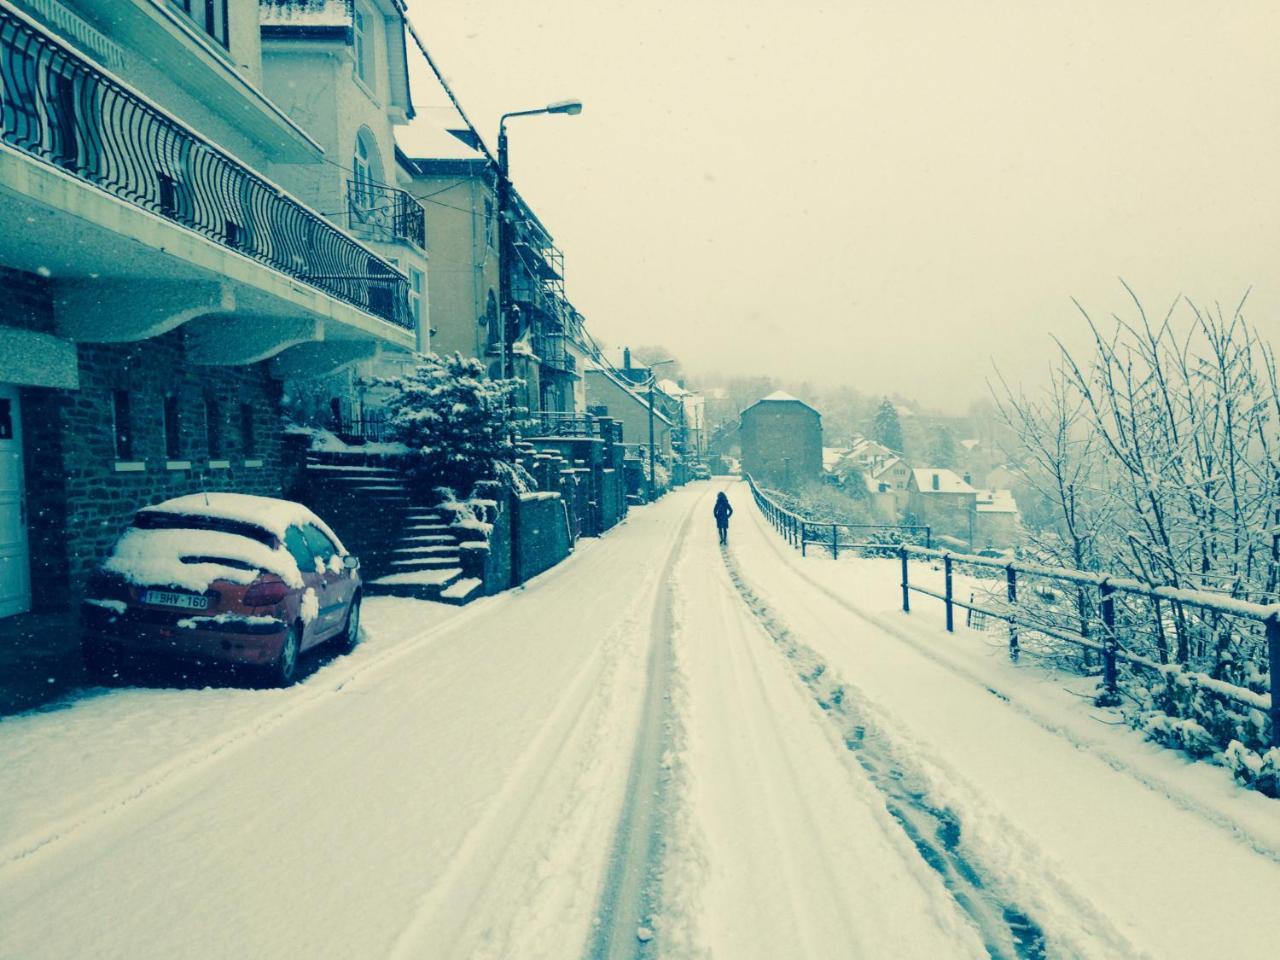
(653, 378)
(570, 108)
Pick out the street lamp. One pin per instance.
(569, 108)
(653, 378)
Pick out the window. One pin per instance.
(296, 544)
(247, 439)
(360, 41)
(361, 173)
(415, 296)
(491, 319)
(172, 428)
(209, 15)
(490, 233)
(213, 428)
(122, 424)
(320, 545)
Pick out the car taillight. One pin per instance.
(265, 593)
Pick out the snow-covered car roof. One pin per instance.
(274, 516)
(192, 559)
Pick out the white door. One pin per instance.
(15, 570)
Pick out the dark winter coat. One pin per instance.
(722, 511)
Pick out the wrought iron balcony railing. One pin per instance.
(386, 214)
(59, 108)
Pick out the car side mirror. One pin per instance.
(351, 562)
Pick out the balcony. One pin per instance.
(551, 351)
(60, 109)
(385, 214)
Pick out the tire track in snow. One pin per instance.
(780, 846)
(543, 808)
(629, 898)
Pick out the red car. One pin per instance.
(222, 577)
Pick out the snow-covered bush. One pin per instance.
(457, 422)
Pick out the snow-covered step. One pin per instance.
(462, 590)
(421, 578)
(434, 549)
(427, 563)
(429, 538)
(437, 528)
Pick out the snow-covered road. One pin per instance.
(835, 780)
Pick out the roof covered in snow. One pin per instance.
(780, 396)
(996, 501)
(948, 481)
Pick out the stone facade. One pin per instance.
(781, 441)
(81, 494)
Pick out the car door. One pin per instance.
(295, 541)
(338, 583)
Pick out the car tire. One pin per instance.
(350, 634)
(284, 671)
(100, 661)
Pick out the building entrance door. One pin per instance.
(15, 568)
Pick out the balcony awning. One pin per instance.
(32, 359)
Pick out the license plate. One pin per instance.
(185, 601)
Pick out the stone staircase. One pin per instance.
(405, 549)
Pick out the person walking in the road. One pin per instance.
(723, 511)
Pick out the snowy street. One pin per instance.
(657, 748)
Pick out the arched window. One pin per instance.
(492, 321)
(366, 168)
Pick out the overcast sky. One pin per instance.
(886, 194)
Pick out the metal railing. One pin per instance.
(1117, 619)
(372, 427)
(802, 531)
(550, 423)
(61, 109)
(386, 214)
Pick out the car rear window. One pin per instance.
(156, 520)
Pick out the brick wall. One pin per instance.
(80, 502)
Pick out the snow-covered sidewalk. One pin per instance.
(449, 790)
(1113, 847)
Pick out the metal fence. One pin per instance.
(802, 531)
(60, 108)
(1117, 620)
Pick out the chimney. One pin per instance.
(626, 358)
(937, 482)
(968, 478)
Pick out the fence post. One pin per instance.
(835, 542)
(928, 538)
(906, 586)
(951, 614)
(804, 540)
(1273, 654)
(1110, 696)
(1011, 575)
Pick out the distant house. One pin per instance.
(943, 500)
(781, 439)
(612, 396)
(997, 519)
